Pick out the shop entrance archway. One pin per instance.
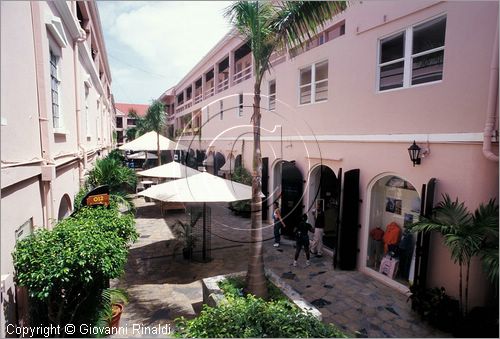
(291, 196)
(394, 203)
(324, 191)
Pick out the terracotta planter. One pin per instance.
(117, 313)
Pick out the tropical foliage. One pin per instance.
(268, 27)
(110, 171)
(250, 317)
(466, 235)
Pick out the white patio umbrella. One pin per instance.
(142, 155)
(148, 142)
(172, 170)
(202, 187)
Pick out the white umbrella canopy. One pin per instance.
(148, 142)
(142, 155)
(172, 170)
(203, 187)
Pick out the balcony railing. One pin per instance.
(209, 93)
(198, 98)
(223, 85)
(244, 74)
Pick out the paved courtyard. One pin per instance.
(163, 286)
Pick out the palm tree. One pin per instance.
(268, 27)
(155, 121)
(463, 233)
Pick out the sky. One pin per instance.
(152, 45)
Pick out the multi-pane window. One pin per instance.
(272, 95)
(240, 104)
(313, 83)
(54, 90)
(414, 56)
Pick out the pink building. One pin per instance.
(339, 115)
(57, 117)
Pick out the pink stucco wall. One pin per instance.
(360, 127)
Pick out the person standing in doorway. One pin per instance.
(302, 235)
(278, 224)
(319, 227)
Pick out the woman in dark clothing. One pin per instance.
(302, 234)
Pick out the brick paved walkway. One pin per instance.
(163, 286)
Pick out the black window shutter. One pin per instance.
(423, 239)
(348, 243)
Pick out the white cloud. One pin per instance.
(163, 39)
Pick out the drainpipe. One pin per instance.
(47, 166)
(489, 127)
(81, 149)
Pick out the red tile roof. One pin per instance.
(140, 109)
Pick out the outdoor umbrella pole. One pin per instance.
(204, 249)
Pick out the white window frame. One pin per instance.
(272, 96)
(408, 56)
(313, 82)
(59, 128)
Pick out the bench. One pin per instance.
(166, 206)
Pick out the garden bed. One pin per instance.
(285, 314)
(213, 295)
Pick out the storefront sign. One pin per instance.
(100, 199)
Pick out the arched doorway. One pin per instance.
(219, 161)
(291, 195)
(64, 207)
(324, 191)
(394, 203)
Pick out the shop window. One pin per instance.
(395, 204)
(413, 56)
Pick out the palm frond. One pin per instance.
(296, 20)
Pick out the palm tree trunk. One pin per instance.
(460, 292)
(467, 289)
(158, 148)
(256, 279)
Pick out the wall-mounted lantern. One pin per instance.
(414, 152)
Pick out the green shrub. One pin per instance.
(235, 286)
(251, 317)
(66, 268)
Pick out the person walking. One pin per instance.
(278, 224)
(302, 235)
(319, 227)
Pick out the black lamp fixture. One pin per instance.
(414, 152)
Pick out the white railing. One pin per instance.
(198, 98)
(244, 74)
(223, 85)
(209, 93)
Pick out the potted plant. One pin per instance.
(113, 301)
(184, 234)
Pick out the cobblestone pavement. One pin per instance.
(163, 286)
